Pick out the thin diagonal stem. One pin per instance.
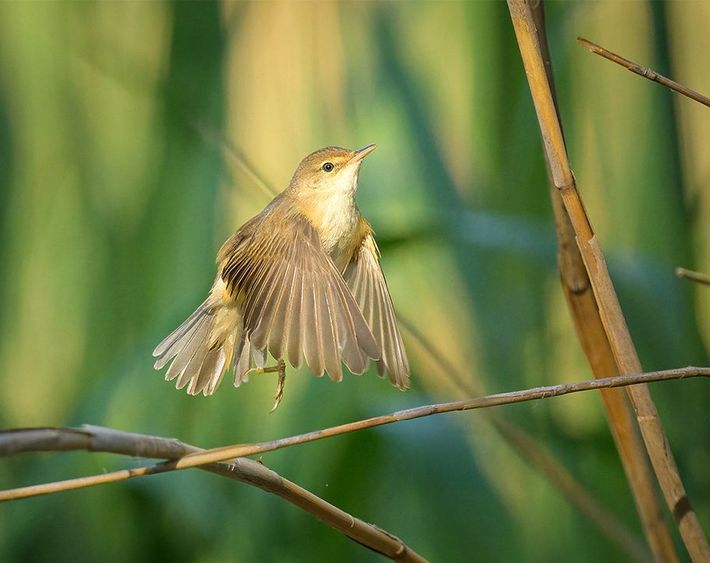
(241, 450)
(691, 275)
(99, 439)
(644, 71)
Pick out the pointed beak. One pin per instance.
(363, 152)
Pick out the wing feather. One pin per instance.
(257, 295)
(277, 337)
(310, 331)
(271, 308)
(354, 357)
(367, 282)
(331, 354)
(294, 346)
(294, 301)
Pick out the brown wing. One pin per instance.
(367, 283)
(293, 299)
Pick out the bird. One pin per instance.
(302, 281)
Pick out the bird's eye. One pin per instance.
(328, 167)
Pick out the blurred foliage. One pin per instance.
(113, 203)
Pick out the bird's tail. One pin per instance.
(204, 347)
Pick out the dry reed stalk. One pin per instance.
(98, 439)
(693, 276)
(590, 331)
(242, 450)
(610, 311)
(644, 71)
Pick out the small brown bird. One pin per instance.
(302, 279)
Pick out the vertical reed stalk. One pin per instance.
(607, 304)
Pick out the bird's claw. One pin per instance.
(279, 368)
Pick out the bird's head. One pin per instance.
(329, 171)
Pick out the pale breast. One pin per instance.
(336, 219)
(336, 225)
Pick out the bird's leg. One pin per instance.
(279, 368)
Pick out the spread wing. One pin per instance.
(367, 283)
(293, 299)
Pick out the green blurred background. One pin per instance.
(113, 202)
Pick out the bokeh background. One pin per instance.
(117, 188)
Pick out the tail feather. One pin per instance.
(242, 360)
(202, 349)
(163, 349)
(192, 369)
(187, 347)
(207, 344)
(211, 367)
(216, 379)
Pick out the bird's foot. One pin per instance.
(279, 368)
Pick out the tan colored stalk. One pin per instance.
(590, 331)
(693, 276)
(607, 302)
(98, 439)
(216, 455)
(644, 71)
